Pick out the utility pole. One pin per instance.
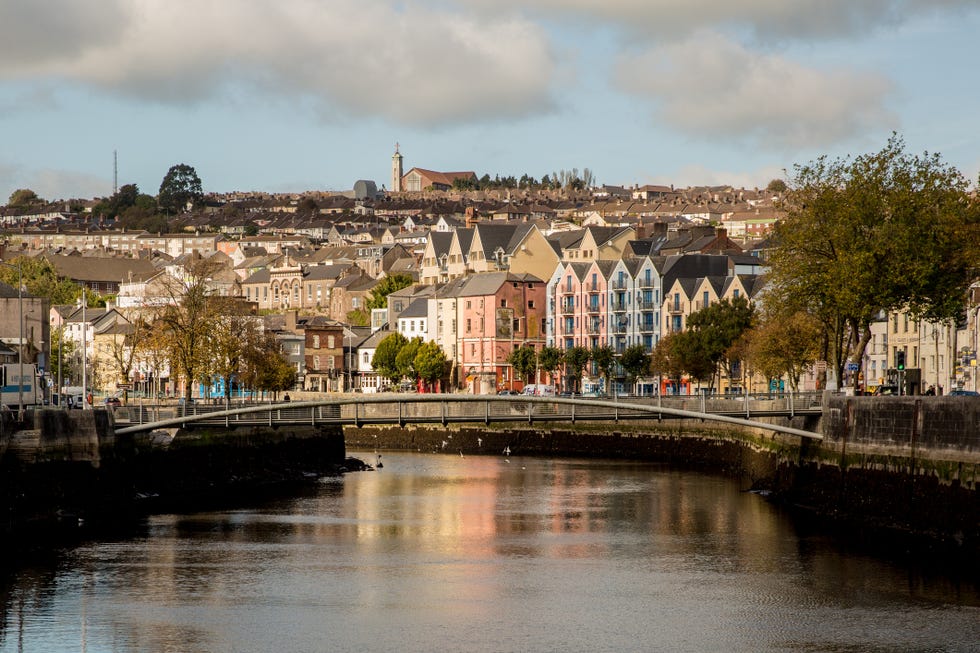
(84, 353)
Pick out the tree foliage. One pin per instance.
(604, 358)
(430, 362)
(550, 359)
(783, 345)
(883, 231)
(40, 280)
(179, 186)
(635, 361)
(385, 356)
(576, 358)
(524, 360)
(23, 198)
(405, 359)
(718, 327)
(379, 294)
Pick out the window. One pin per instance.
(330, 342)
(735, 293)
(355, 302)
(530, 303)
(316, 362)
(469, 325)
(367, 359)
(316, 342)
(468, 304)
(704, 299)
(503, 303)
(265, 293)
(412, 323)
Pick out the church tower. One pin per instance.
(396, 171)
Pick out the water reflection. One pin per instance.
(484, 554)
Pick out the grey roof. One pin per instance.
(441, 241)
(418, 308)
(489, 283)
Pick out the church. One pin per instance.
(419, 179)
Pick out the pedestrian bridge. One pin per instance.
(357, 410)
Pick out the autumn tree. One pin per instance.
(877, 233)
(784, 345)
(716, 328)
(233, 337)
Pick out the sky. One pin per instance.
(312, 95)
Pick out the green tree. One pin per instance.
(41, 280)
(719, 327)
(881, 232)
(604, 358)
(405, 359)
(62, 354)
(550, 359)
(265, 368)
(430, 362)
(524, 360)
(359, 317)
(234, 331)
(179, 186)
(379, 294)
(635, 361)
(385, 356)
(691, 352)
(576, 358)
(23, 198)
(776, 186)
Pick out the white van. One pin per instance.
(539, 390)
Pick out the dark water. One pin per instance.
(441, 553)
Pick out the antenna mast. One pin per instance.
(115, 173)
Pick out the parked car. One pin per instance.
(964, 393)
(508, 393)
(112, 402)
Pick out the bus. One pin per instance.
(17, 390)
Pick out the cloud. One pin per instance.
(766, 20)
(410, 64)
(710, 87)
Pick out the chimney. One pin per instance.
(291, 317)
(721, 233)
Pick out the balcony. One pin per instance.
(619, 328)
(677, 307)
(566, 308)
(644, 283)
(592, 308)
(647, 327)
(593, 328)
(647, 304)
(566, 329)
(619, 284)
(617, 305)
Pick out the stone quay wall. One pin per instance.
(70, 468)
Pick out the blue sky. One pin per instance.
(298, 95)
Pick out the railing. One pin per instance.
(617, 284)
(566, 308)
(647, 304)
(647, 327)
(644, 283)
(617, 305)
(592, 308)
(389, 408)
(619, 329)
(593, 328)
(677, 307)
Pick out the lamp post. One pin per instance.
(347, 360)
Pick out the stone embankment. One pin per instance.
(68, 468)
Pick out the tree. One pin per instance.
(635, 361)
(359, 317)
(126, 347)
(784, 345)
(882, 232)
(405, 359)
(41, 280)
(430, 362)
(180, 186)
(62, 354)
(576, 358)
(23, 198)
(524, 360)
(550, 359)
(265, 368)
(604, 358)
(666, 359)
(379, 294)
(384, 360)
(233, 334)
(776, 186)
(719, 326)
(187, 320)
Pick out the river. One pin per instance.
(487, 553)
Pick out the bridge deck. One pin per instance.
(448, 409)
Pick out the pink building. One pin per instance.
(497, 313)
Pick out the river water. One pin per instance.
(486, 553)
